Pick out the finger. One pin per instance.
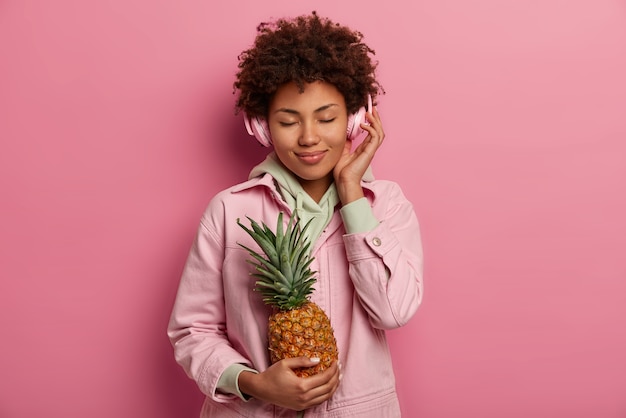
(373, 139)
(373, 116)
(319, 399)
(376, 123)
(297, 362)
(375, 113)
(323, 385)
(325, 377)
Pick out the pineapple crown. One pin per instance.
(284, 277)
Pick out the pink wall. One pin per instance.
(506, 125)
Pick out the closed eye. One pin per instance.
(327, 120)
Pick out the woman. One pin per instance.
(303, 86)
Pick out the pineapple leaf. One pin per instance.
(263, 231)
(284, 276)
(266, 245)
(271, 273)
(279, 231)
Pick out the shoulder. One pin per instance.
(239, 200)
(242, 193)
(381, 191)
(388, 200)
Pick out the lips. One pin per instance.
(312, 157)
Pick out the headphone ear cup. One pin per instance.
(355, 120)
(258, 127)
(354, 124)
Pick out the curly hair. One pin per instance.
(303, 50)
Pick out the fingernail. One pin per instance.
(340, 376)
(315, 359)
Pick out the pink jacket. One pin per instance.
(367, 283)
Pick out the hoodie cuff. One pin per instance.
(229, 380)
(358, 216)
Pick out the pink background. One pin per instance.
(506, 126)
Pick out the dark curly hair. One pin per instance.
(303, 50)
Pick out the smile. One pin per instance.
(310, 157)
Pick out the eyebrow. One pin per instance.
(295, 112)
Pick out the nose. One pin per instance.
(308, 134)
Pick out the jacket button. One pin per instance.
(376, 241)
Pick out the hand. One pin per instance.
(279, 384)
(352, 165)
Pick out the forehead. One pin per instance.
(315, 95)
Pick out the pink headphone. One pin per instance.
(258, 127)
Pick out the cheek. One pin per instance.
(336, 135)
(339, 141)
(281, 143)
(282, 154)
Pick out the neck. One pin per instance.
(316, 188)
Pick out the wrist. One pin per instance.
(349, 192)
(247, 383)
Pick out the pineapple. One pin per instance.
(297, 327)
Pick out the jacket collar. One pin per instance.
(267, 181)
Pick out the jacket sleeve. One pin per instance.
(386, 263)
(197, 327)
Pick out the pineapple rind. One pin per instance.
(304, 331)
